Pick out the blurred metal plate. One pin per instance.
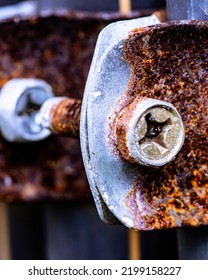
(57, 48)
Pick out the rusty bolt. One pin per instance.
(61, 115)
(65, 117)
(150, 132)
(30, 112)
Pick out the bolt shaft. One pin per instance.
(65, 117)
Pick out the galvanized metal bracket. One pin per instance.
(107, 81)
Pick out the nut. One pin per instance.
(150, 132)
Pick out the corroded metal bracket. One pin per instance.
(167, 62)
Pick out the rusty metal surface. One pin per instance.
(65, 117)
(58, 49)
(170, 62)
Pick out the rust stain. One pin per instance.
(170, 62)
(122, 128)
(65, 117)
(159, 199)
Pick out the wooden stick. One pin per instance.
(134, 245)
(124, 6)
(4, 233)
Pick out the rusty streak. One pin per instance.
(65, 117)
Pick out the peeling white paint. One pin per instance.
(127, 221)
(105, 197)
(97, 94)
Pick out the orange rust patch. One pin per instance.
(160, 198)
(122, 128)
(66, 117)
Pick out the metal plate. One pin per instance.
(141, 197)
(107, 175)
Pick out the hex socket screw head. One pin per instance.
(149, 132)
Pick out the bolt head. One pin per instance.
(15, 125)
(151, 132)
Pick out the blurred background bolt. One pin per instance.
(61, 115)
(30, 112)
(150, 132)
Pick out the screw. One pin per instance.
(150, 132)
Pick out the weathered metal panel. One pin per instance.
(169, 62)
